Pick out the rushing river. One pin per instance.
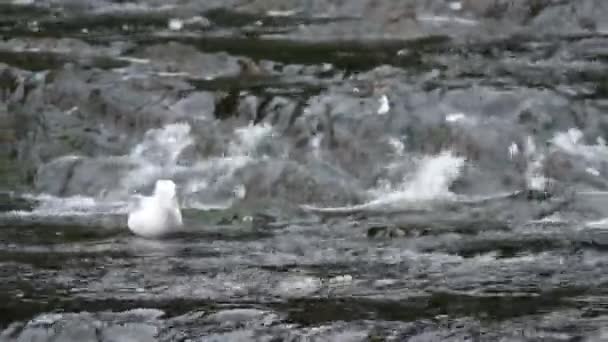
(359, 170)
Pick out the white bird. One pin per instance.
(158, 214)
(385, 106)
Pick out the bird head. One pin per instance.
(165, 189)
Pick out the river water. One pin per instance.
(347, 171)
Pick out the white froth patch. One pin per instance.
(571, 142)
(240, 191)
(384, 282)
(240, 152)
(51, 206)
(175, 24)
(248, 138)
(593, 171)
(535, 177)
(455, 5)
(430, 182)
(132, 8)
(603, 223)
(568, 140)
(164, 145)
(157, 156)
(439, 19)
(172, 74)
(433, 177)
(537, 182)
(315, 145)
(513, 150)
(278, 13)
(397, 145)
(455, 117)
(133, 60)
(553, 218)
(298, 286)
(341, 280)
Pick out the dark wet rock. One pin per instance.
(411, 226)
(385, 232)
(81, 180)
(572, 17)
(237, 317)
(52, 178)
(10, 201)
(280, 181)
(538, 195)
(66, 46)
(83, 112)
(85, 327)
(175, 57)
(196, 105)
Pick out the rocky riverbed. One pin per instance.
(362, 170)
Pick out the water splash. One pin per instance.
(571, 142)
(590, 159)
(200, 184)
(315, 145)
(534, 174)
(397, 145)
(215, 176)
(248, 138)
(48, 205)
(430, 182)
(207, 184)
(164, 145)
(157, 155)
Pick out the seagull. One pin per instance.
(384, 105)
(157, 215)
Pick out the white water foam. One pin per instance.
(248, 138)
(400, 162)
(571, 143)
(535, 177)
(593, 156)
(440, 19)
(69, 206)
(430, 182)
(156, 157)
(601, 223)
(241, 151)
(129, 7)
